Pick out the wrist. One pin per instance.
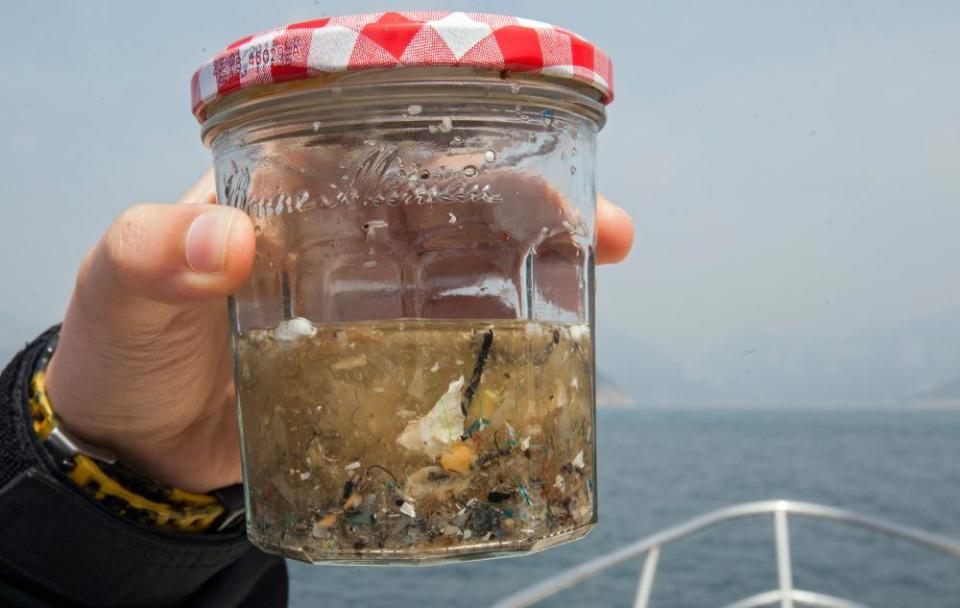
(95, 471)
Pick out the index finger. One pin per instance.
(202, 191)
(614, 232)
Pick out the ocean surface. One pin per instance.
(661, 468)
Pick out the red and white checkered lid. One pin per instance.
(392, 40)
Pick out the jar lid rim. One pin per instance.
(400, 40)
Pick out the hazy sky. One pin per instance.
(793, 167)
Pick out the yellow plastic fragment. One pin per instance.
(489, 402)
(353, 501)
(459, 458)
(328, 521)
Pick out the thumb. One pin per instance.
(170, 255)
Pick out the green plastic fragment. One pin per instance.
(476, 426)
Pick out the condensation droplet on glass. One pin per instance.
(469, 171)
(573, 152)
(446, 124)
(414, 109)
(489, 156)
(573, 169)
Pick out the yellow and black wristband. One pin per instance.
(116, 487)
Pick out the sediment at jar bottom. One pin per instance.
(417, 440)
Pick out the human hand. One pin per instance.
(143, 365)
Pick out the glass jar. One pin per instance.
(414, 354)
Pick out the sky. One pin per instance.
(793, 169)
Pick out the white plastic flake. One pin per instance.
(578, 460)
(408, 509)
(579, 332)
(439, 428)
(294, 329)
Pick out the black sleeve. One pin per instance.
(59, 547)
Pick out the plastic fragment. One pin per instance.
(578, 460)
(353, 502)
(408, 509)
(440, 427)
(327, 521)
(524, 494)
(459, 458)
(293, 329)
(348, 363)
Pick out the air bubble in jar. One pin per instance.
(490, 156)
(469, 171)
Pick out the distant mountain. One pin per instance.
(946, 395)
(611, 396)
(914, 364)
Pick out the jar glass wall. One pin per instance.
(414, 355)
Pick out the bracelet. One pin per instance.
(118, 488)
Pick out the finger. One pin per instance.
(170, 254)
(202, 191)
(614, 232)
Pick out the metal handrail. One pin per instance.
(785, 595)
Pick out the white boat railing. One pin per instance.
(785, 595)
